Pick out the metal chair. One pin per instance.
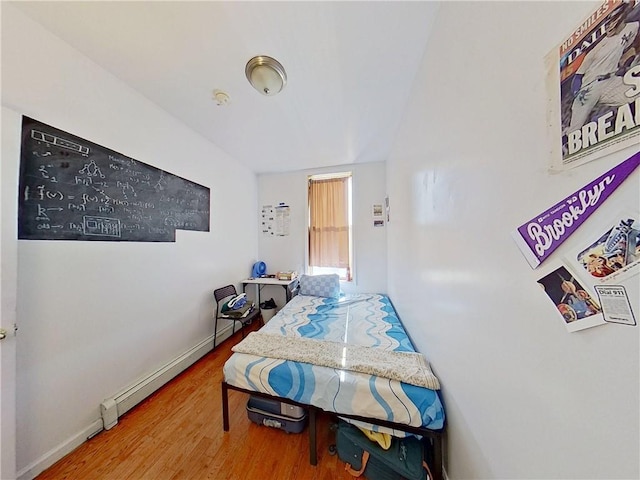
(221, 295)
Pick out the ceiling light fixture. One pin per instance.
(266, 75)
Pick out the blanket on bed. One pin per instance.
(406, 367)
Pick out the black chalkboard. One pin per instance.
(72, 189)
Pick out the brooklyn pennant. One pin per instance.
(541, 235)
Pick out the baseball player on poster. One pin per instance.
(598, 81)
(593, 80)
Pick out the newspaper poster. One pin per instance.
(593, 85)
(283, 220)
(538, 238)
(576, 306)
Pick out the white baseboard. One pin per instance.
(55, 454)
(116, 406)
(152, 382)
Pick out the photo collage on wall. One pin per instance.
(576, 305)
(593, 85)
(615, 254)
(582, 288)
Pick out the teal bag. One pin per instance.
(404, 460)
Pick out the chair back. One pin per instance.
(222, 293)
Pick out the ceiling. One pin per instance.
(350, 69)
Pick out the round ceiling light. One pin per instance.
(266, 75)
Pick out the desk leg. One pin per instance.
(244, 290)
(287, 294)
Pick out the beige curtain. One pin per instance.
(329, 223)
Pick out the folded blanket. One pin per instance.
(407, 367)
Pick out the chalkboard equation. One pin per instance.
(72, 189)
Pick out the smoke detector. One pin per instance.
(221, 98)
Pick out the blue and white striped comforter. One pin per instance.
(360, 319)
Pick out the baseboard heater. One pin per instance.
(113, 408)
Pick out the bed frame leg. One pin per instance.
(437, 457)
(313, 452)
(225, 407)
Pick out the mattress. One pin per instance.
(358, 319)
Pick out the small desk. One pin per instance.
(288, 285)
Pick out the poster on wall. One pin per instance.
(616, 306)
(283, 220)
(575, 304)
(275, 221)
(543, 234)
(267, 220)
(378, 218)
(610, 253)
(590, 287)
(593, 86)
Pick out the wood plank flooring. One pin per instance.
(177, 434)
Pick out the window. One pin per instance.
(330, 232)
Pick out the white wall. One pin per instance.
(95, 316)
(370, 243)
(524, 398)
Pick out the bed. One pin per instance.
(348, 355)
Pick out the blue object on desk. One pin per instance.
(259, 269)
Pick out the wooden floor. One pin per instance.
(177, 434)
